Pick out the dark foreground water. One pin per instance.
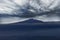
(30, 31)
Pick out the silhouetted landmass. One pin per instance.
(31, 21)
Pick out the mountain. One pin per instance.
(30, 21)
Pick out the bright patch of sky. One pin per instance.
(8, 6)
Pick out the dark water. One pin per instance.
(30, 31)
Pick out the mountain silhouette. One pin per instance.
(30, 21)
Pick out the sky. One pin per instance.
(13, 9)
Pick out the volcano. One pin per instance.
(30, 21)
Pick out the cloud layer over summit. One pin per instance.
(21, 10)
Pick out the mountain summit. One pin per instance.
(30, 21)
